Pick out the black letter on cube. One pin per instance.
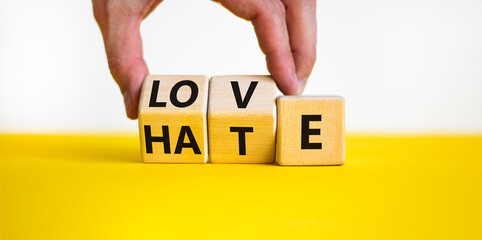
(192, 98)
(242, 137)
(237, 93)
(150, 139)
(306, 131)
(186, 130)
(153, 101)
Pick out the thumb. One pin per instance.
(123, 46)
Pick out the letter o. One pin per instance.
(192, 98)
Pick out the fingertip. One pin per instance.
(281, 66)
(130, 106)
(129, 75)
(288, 86)
(302, 85)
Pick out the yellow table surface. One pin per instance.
(95, 187)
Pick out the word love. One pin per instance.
(237, 119)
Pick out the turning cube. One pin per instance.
(242, 119)
(172, 119)
(311, 130)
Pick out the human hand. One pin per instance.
(286, 31)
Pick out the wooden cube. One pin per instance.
(172, 119)
(242, 119)
(311, 130)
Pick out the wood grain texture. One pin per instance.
(258, 115)
(177, 111)
(311, 130)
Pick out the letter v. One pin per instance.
(237, 93)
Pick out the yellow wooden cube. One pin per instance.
(311, 130)
(242, 119)
(172, 119)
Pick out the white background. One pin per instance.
(413, 65)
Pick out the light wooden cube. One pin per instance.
(172, 119)
(242, 119)
(311, 130)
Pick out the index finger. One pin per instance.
(269, 21)
(301, 22)
(271, 29)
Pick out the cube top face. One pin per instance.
(233, 94)
(311, 130)
(181, 94)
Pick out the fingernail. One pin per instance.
(297, 84)
(127, 102)
(302, 85)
